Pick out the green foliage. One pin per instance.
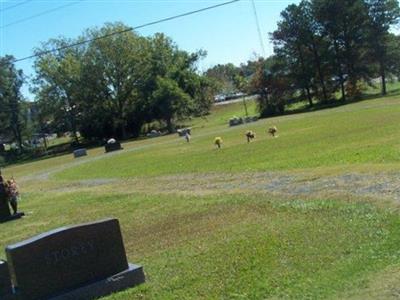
(393, 54)
(272, 84)
(329, 46)
(11, 121)
(382, 15)
(107, 87)
(228, 78)
(170, 101)
(298, 43)
(224, 77)
(57, 86)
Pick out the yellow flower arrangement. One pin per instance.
(250, 135)
(218, 141)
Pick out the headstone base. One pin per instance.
(12, 217)
(118, 282)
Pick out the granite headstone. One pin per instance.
(72, 263)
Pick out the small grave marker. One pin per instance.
(80, 152)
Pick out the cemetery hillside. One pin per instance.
(312, 213)
(225, 149)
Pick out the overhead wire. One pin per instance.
(127, 30)
(41, 14)
(15, 5)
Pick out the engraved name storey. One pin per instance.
(63, 259)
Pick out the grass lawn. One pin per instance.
(365, 133)
(248, 221)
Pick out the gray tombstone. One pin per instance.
(79, 262)
(80, 152)
(235, 121)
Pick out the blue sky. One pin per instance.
(228, 34)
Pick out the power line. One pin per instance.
(128, 29)
(15, 5)
(40, 14)
(258, 27)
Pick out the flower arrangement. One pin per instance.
(272, 131)
(218, 141)
(250, 135)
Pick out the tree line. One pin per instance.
(323, 48)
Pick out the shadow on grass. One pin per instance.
(56, 151)
(52, 152)
(338, 102)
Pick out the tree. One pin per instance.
(170, 102)
(11, 80)
(290, 45)
(58, 85)
(114, 71)
(112, 86)
(93, 86)
(393, 54)
(203, 97)
(298, 40)
(272, 85)
(318, 45)
(224, 77)
(174, 72)
(344, 23)
(382, 15)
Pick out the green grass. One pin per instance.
(363, 133)
(201, 234)
(232, 246)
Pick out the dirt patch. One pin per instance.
(381, 186)
(378, 185)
